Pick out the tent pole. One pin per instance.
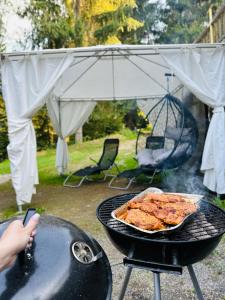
(99, 49)
(59, 105)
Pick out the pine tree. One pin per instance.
(184, 20)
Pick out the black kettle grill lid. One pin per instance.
(64, 263)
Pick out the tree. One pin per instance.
(3, 119)
(50, 25)
(2, 31)
(3, 131)
(184, 20)
(101, 21)
(106, 119)
(147, 13)
(115, 22)
(76, 23)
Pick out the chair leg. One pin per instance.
(153, 176)
(73, 185)
(118, 187)
(108, 175)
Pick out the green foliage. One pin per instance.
(43, 129)
(219, 202)
(51, 28)
(13, 212)
(149, 14)
(129, 134)
(183, 20)
(105, 119)
(170, 21)
(78, 32)
(80, 154)
(2, 30)
(3, 131)
(110, 117)
(42, 125)
(113, 24)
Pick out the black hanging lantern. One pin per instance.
(172, 137)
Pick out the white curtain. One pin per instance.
(67, 117)
(203, 73)
(26, 82)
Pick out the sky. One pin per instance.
(15, 26)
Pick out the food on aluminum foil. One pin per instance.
(156, 211)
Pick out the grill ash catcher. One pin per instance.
(164, 253)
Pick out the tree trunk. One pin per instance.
(79, 135)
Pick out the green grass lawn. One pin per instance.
(80, 154)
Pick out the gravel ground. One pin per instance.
(79, 206)
(210, 273)
(4, 178)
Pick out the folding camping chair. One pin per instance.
(106, 161)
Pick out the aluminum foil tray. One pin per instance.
(192, 198)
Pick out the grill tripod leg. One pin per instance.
(195, 282)
(157, 290)
(125, 283)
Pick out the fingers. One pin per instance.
(32, 224)
(33, 233)
(12, 261)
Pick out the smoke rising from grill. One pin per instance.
(183, 181)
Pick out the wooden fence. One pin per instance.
(215, 31)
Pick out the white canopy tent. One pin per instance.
(70, 81)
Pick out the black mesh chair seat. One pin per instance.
(106, 161)
(130, 173)
(90, 170)
(131, 176)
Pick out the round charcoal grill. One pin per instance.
(164, 252)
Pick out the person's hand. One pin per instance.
(16, 238)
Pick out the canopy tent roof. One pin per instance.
(101, 73)
(113, 72)
(70, 81)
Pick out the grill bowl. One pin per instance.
(193, 242)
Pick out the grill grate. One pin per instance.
(208, 222)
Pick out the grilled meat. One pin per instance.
(156, 211)
(170, 198)
(186, 208)
(143, 220)
(144, 206)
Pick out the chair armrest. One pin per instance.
(93, 160)
(114, 164)
(117, 168)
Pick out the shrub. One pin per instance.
(3, 131)
(105, 119)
